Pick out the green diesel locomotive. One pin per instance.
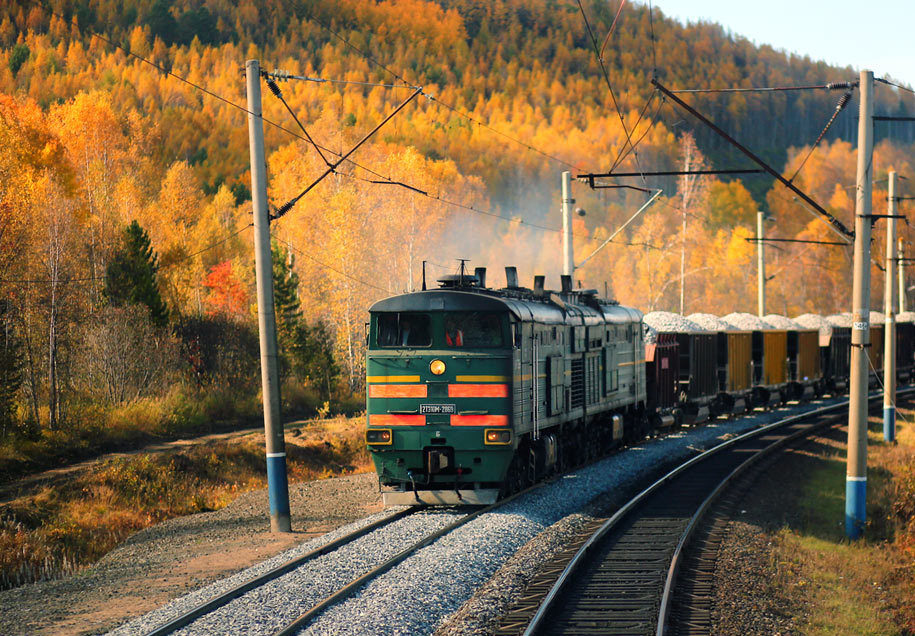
(473, 392)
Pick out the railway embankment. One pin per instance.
(58, 523)
(785, 565)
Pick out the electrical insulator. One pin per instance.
(843, 101)
(274, 88)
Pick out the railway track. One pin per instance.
(311, 585)
(214, 604)
(620, 575)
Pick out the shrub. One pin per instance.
(126, 356)
(219, 350)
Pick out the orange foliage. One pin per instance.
(227, 294)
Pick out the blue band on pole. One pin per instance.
(855, 506)
(889, 424)
(276, 484)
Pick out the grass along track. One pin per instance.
(786, 556)
(71, 520)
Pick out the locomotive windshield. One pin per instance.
(473, 329)
(404, 329)
(446, 330)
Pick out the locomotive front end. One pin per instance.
(438, 403)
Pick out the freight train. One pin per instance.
(474, 393)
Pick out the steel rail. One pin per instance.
(223, 599)
(673, 570)
(546, 606)
(354, 586)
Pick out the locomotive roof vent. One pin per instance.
(454, 281)
(511, 277)
(480, 273)
(538, 285)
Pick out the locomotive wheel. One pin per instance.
(513, 480)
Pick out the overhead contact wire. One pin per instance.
(330, 267)
(889, 83)
(832, 86)
(843, 102)
(609, 86)
(612, 28)
(624, 151)
(275, 89)
(654, 56)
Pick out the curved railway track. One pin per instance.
(619, 547)
(619, 577)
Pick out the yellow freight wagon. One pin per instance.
(775, 357)
(808, 357)
(740, 361)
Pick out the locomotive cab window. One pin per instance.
(473, 329)
(404, 329)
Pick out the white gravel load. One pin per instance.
(711, 322)
(840, 320)
(782, 322)
(667, 322)
(815, 321)
(905, 316)
(746, 322)
(650, 334)
(846, 319)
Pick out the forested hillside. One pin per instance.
(93, 139)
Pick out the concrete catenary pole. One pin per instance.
(277, 484)
(760, 265)
(901, 276)
(889, 338)
(856, 469)
(568, 256)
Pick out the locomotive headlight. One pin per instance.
(437, 367)
(380, 436)
(497, 436)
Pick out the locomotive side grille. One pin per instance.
(578, 383)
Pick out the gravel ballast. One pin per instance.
(282, 600)
(183, 554)
(422, 592)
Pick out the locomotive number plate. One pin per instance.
(437, 408)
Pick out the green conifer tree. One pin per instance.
(285, 299)
(303, 349)
(131, 275)
(10, 370)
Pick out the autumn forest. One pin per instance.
(118, 167)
